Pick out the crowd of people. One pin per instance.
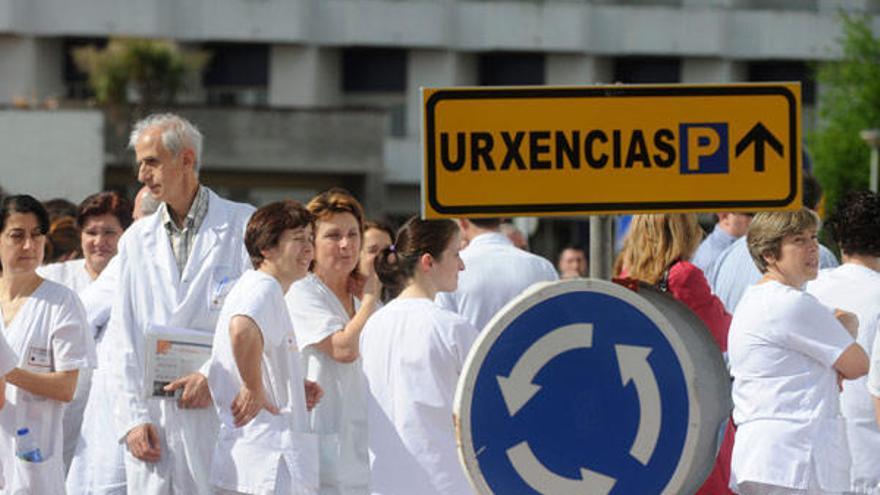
(335, 342)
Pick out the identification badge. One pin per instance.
(39, 357)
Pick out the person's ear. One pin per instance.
(426, 262)
(769, 258)
(188, 159)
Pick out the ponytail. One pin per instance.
(396, 264)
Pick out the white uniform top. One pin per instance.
(71, 274)
(495, 271)
(246, 459)
(856, 288)
(340, 418)
(782, 346)
(49, 334)
(413, 353)
(8, 360)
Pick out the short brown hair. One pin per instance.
(269, 222)
(336, 200)
(768, 229)
(103, 203)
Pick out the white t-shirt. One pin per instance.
(246, 459)
(413, 354)
(49, 333)
(856, 288)
(71, 274)
(495, 271)
(782, 347)
(340, 418)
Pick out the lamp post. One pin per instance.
(872, 138)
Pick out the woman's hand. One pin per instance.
(247, 404)
(314, 392)
(849, 321)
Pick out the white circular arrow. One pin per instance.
(517, 389)
(634, 366)
(549, 483)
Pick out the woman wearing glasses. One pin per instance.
(45, 324)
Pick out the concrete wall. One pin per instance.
(719, 28)
(281, 140)
(50, 154)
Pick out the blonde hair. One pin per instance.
(655, 242)
(768, 229)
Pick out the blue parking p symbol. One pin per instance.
(704, 148)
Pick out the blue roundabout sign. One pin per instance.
(587, 387)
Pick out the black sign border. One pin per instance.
(613, 92)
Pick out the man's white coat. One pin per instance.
(151, 291)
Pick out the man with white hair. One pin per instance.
(175, 269)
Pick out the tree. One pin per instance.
(153, 70)
(848, 103)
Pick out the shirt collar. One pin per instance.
(722, 234)
(194, 216)
(490, 238)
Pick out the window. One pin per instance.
(510, 69)
(646, 70)
(374, 70)
(237, 73)
(776, 71)
(75, 80)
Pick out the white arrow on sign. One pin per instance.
(634, 366)
(537, 476)
(518, 388)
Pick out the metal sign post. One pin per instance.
(601, 246)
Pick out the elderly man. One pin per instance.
(495, 271)
(175, 269)
(144, 204)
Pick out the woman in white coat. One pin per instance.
(101, 219)
(413, 353)
(256, 378)
(45, 324)
(787, 354)
(328, 319)
(855, 286)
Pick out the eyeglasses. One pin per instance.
(18, 237)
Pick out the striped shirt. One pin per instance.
(182, 239)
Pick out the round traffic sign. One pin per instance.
(584, 386)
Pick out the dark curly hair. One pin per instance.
(855, 224)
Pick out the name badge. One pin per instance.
(39, 357)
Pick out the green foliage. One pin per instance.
(849, 102)
(155, 70)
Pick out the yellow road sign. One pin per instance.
(610, 149)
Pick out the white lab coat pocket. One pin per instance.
(37, 478)
(221, 283)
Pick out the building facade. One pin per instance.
(302, 94)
